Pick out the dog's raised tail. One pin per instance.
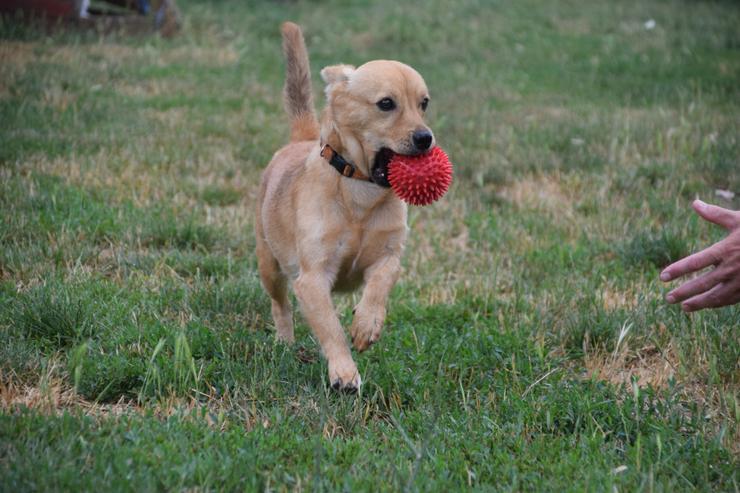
(297, 92)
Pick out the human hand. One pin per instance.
(719, 286)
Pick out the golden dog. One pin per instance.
(326, 219)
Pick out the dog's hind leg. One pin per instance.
(276, 285)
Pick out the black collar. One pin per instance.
(349, 170)
(343, 167)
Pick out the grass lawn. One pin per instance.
(527, 346)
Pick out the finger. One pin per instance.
(720, 295)
(723, 217)
(695, 286)
(705, 258)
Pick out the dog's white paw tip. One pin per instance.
(349, 388)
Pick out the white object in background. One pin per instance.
(82, 6)
(725, 194)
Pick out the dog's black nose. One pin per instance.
(422, 139)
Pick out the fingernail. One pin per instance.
(686, 307)
(664, 276)
(670, 298)
(700, 203)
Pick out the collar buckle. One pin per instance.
(340, 164)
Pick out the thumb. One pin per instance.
(723, 217)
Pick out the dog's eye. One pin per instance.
(424, 104)
(386, 104)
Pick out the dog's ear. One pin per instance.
(336, 77)
(334, 74)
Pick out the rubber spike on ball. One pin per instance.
(422, 179)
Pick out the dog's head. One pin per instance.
(374, 111)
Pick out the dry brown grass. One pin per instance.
(613, 298)
(128, 178)
(543, 193)
(15, 55)
(648, 365)
(52, 395)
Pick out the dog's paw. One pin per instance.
(366, 328)
(284, 336)
(343, 376)
(283, 318)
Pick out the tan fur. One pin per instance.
(297, 91)
(322, 232)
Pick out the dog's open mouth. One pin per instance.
(379, 173)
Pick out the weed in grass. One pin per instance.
(722, 167)
(167, 230)
(198, 264)
(107, 377)
(236, 300)
(654, 249)
(153, 378)
(186, 378)
(220, 196)
(76, 362)
(52, 320)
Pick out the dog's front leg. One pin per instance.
(370, 312)
(313, 290)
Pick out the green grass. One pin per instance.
(527, 346)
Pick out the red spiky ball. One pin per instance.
(420, 180)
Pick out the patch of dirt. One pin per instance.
(649, 365)
(16, 54)
(613, 299)
(539, 192)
